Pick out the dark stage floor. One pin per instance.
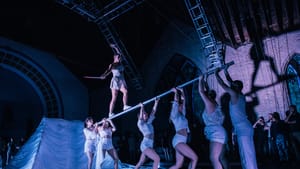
(271, 164)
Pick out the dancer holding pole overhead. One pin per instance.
(180, 123)
(145, 126)
(105, 142)
(213, 118)
(118, 82)
(242, 126)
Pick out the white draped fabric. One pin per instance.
(58, 144)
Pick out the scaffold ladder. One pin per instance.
(212, 48)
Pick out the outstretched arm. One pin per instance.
(106, 73)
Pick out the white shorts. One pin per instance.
(216, 134)
(146, 143)
(106, 143)
(90, 146)
(178, 138)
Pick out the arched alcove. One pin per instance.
(293, 85)
(20, 106)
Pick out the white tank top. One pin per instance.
(179, 120)
(146, 127)
(89, 134)
(215, 118)
(105, 133)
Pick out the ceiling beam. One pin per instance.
(221, 19)
(274, 19)
(242, 16)
(263, 18)
(233, 24)
(285, 16)
(296, 12)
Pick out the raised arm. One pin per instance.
(229, 79)
(205, 84)
(175, 94)
(223, 84)
(100, 125)
(142, 110)
(201, 85)
(115, 49)
(113, 127)
(255, 124)
(287, 119)
(182, 95)
(155, 106)
(174, 109)
(210, 105)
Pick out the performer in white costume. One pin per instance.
(146, 128)
(90, 140)
(214, 131)
(118, 82)
(180, 122)
(105, 144)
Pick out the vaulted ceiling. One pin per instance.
(236, 22)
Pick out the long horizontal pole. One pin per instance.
(168, 92)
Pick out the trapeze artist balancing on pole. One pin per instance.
(117, 82)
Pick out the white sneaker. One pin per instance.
(126, 107)
(110, 114)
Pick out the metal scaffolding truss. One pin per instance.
(38, 79)
(213, 49)
(103, 17)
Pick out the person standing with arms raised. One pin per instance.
(213, 118)
(177, 116)
(105, 130)
(242, 126)
(146, 128)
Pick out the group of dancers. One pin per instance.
(213, 118)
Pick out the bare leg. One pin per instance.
(179, 160)
(215, 150)
(223, 158)
(125, 95)
(186, 151)
(113, 153)
(90, 157)
(149, 152)
(141, 161)
(114, 95)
